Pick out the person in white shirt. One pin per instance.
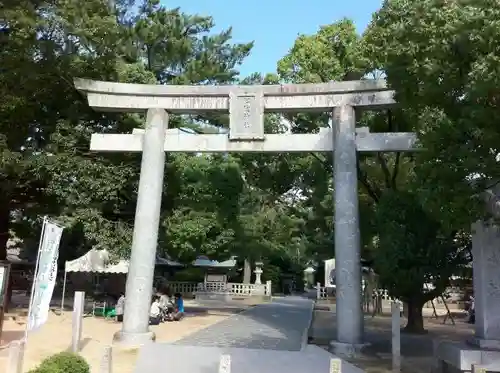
(166, 305)
(155, 311)
(165, 300)
(120, 307)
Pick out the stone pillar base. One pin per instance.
(455, 357)
(487, 344)
(346, 350)
(133, 340)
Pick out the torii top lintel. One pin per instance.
(109, 96)
(246, 106)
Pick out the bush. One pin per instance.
(64, 362)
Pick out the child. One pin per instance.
(155, 311)
(165, 304)
(120, 307)
(179, 307)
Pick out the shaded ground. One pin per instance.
(280, 325)
(416, 350)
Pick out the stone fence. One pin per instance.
(323, 292)
(189, 289)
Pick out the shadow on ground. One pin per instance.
(416, 350)
(205, 310)
(8, 336)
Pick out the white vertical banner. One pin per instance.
(45, 275)
(330, 273)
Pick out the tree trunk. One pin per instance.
(415, 322)
(247, 271)
(4, 231)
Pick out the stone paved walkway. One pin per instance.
(280, 325)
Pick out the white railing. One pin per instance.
(321, 291)
(183, 287)
(381, 294)
(221, 287)
(247, 289)
(218, 287)
(378, 294)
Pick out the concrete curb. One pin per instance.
(305, 334)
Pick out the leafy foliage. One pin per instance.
(62, 363)
(413, 250)
(441, 57)
(396, 200)
(93, 195)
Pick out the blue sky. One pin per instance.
(275, 24)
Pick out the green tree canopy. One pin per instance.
(46, 167)
(441, 57)
(415, 258)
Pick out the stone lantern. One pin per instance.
(258, 273)
(309, 276)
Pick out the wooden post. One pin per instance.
(5, 285)
(396, 336)
(106, 360)
(16, 357)
(335, 365)
(78, 308)
(225, 364)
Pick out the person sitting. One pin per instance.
(165, 297)
(120, 307)
(166, 305)
(155, 311)
(178, 313)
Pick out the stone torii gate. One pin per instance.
(246, 106)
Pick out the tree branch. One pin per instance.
(385, 169)
(395, 170)
(187, 31)
(363, 179)
(433, 294)
(323, 161)
(389, 120)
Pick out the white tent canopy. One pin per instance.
(93, 261)
(120, 267)
(98, 261)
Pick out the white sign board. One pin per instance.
(45, 278)
(215, 278)
(330, 273)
